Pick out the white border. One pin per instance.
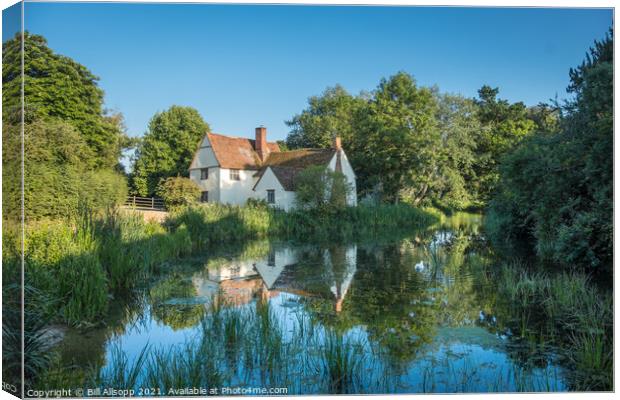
(474, 3)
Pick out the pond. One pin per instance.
(408, 315)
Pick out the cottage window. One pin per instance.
(204, 174)
(204, 197)
(271, 196)
(234, 175)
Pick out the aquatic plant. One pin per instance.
(577, 313)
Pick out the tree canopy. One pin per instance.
(330, 114)
(414, 144)
(167, 148)
(57, 87)
(71, 145)
(556, 190)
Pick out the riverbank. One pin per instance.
(393, 279)
(74, 267)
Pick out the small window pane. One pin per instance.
(234, 175)
(204, 197)
(271, 196)
(204, 174)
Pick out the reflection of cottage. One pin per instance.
(271, 267)
(233, 282)
(331, 280)
(238, 282)
(232, 170)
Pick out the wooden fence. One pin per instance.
(145, 203)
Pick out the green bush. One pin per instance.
(319, 188)
(58, 176)
(177, 192)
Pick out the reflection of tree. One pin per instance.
(391, 299)
(176, 316)
(325, 275)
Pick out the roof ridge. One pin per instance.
(236, 137)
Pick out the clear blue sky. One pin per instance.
(242, 66)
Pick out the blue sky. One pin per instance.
(243, 66)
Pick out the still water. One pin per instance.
(406, 315)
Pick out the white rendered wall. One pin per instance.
(236, 192)
(205, 158)
(285, 200)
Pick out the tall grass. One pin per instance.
(214, 223)
(79, 263)
(577, 313)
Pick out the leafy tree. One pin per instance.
(167, 148)
(556, 191)
(178, 191)
(405, 142)
(319, 188)
(57, 175)
(57, 87)
(398, 141)
(330, 114)
(503, 126)
(460, 129)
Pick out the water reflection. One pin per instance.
(422, 313)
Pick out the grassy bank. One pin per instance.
(209, 224)
(79, 264)
(564, 309)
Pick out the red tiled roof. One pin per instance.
(287, 176)
(236, 152)
(301, 158)
(286, 165)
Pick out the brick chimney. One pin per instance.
(260, 145)
(336, 143)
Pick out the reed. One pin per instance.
(341, 362)
(578, 314)
(213, 223)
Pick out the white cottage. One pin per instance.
(231, 170)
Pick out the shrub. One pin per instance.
(320, 188)
(178, 191)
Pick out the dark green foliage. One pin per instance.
(460, 130)
(167, 148)
(413, 144)
(57, 173)
(178, 192)
(71, 146)
(333, 113)
(556, 191)
(503, 126)
(399, 140)
(57, 87)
